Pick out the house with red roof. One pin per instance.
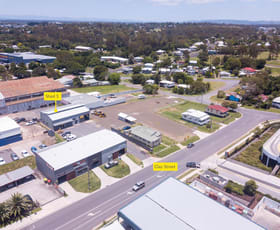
(217, 110)
(248, 71)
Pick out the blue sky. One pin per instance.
(145, 10)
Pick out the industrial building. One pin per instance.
(26, 94)
(15, 178)
(146, 135)
(9, 131)
(67, 160)
(271, 150)
(25, 57)
(175, 205)
(66, 116)
(196, 116)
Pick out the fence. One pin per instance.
(118, 131)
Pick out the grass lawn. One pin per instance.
(159, 148)
(103, 89)
(273, 62)
(134, 159)
(251, 155)
(80, 183)
(58, 138)
(185, 174)
(190, 140)
(27, 161)
(118, 171)
(174, 113)
(263, 55)
(275, 72)
(216, 100)
(214, 85)
(169, 150)
(167, 141)
(272, 109)
(89, 70)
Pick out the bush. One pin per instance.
(233, 187)
(250, 188)
(221, 94)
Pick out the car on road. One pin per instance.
(139, 185)
(190, 145)
(192, 165)
(24, 153)
(14, 157)
(42, 146)
(2, 161)
(111, 164)
(71, 137)
(34, 149)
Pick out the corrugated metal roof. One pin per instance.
(174, 205)
(145, 133)
(28, 86)
(7, 123)
(15, 175)
(61, 155)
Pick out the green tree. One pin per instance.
(77, 82)
(250, 188)
(150, 89)
(4, 213)
(233, 63)
(138, 78)
(18, 206)
(221, 94)
(51, 73)
(177, 76)
(137, 69)
(181, 90)
(4, 73)
(114, 78)
(39, 71)
(100, 72)
(260, 63)
(216, 61)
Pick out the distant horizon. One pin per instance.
(143, 10)
(92, 20)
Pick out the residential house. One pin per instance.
(166, 84)
(196, 116)
(224, 74)
(276, 102)
(160, 52)
(217, 110)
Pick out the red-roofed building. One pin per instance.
(217, 110)
(248, 70)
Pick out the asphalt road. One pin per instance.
(92, 210)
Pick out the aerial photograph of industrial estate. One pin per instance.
(140, 115)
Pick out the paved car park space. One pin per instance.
(145, 111)
(6, 155)
(36, 188)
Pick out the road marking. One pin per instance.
(112, 207)
(129, 193)
(93, 214)
(85, 213)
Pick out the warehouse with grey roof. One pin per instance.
(175, 205)
(67, 160)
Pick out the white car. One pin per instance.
(24, 153)
(2, 161)
(71, 137)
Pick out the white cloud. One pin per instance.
(176, 2)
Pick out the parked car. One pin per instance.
(2, 161)
(141, 96)
(34, 149)
(138, 186)
(14, 157)
(28, 123)
(190, 145)
(66, 133)
(111, 164)
(42, 146)
(19, 119)
(24, 153)
(192, 165)
(71, 137)
(126, 127)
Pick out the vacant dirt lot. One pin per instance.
(145, 112)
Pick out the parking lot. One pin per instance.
(145, 111)
(91, 126)
(36, 188)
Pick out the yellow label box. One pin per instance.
(52, 96)
(165, 166)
